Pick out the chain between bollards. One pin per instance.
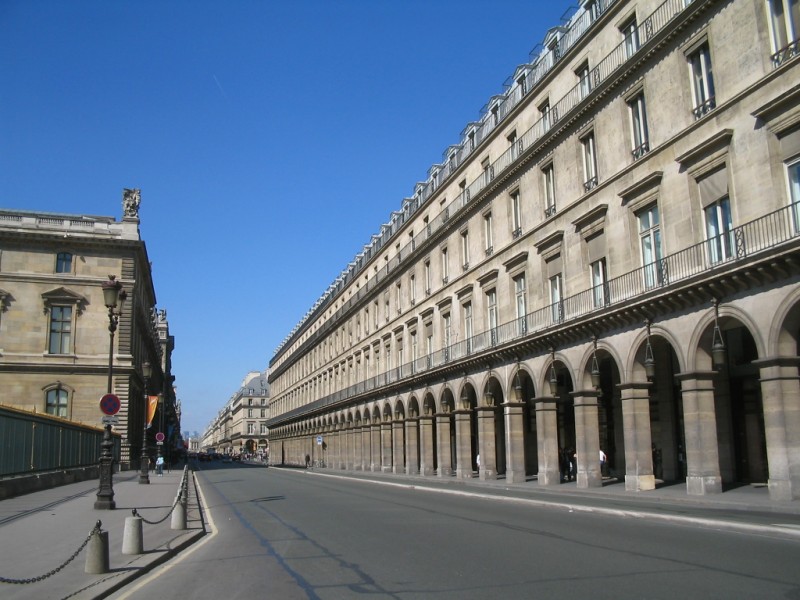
(95, 530)
(182, 497)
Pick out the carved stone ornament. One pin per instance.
(130, 202)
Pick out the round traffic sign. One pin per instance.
(110, 404)
(159, 437)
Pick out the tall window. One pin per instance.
(522, 308)
(60, 330)
(599, 279)
(641, 142)
(445, 267)
(57, 402)
(399, 297)
(589, 163)
(488, 233)
(785, 28)
(631, 34)
(549, 191)
(512, 145)
(64, 262)
(487, 171)
(264, 429)
(427, 277)
(719, 230)
(583, 78)
(702, 81)
(251, 429)
(516, 215)
(794, 191)
(650, 240)
(366, 323)
(491, 305)
(412, 285)
(446, 326)
(375, 315)
(250, 410)
(555, 297)
(413, 335)
(544, 112)
(465, 249)
(468, 332)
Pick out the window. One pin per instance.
(589, 163)
(399, 345)
(251, 429)
(549, 191)
(785, 27)
(465, 249)
(399, 297)
(488, 234)
(631, 34)
(264, 429)
(64, 262)
(447, 327)
(522, 309)
(583, 78)
(555, 298)
(263, 412)
(522, 82)
(794, 191)
(60, 330)
(641, 144)
(375, 315)
(516, 215)
(650, 240)
(427, 277)
(250, 410)
(491, 306)
(544, 111)
(57, 400)
(512, 144)
(386, 308)
(366, 321)
(487, 171)
(594, 9)
(413, 345)
(468, 325)
(719, 230)
(445, 267)
(599, 279)
(702, 81)
(412, 284)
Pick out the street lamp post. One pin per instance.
(113, 294)
(144, 476)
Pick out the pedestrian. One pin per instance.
(573, 464)
(160, 466)
(478, 462)
(563, 464)
(603, 459)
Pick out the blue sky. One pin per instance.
(270, 141)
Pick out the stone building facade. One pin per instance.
(54, 325)
(606, 260)
(241, 426)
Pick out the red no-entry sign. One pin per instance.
(110, 404)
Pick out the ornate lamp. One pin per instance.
(595, 366)
(553, 378)
(718, 350)
(649, 359)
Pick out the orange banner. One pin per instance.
(152, 402)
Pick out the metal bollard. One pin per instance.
(97, 552)
(132, 540)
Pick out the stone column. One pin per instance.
(587, 439)
(426, 447)
(780, 394)
(514, 415)
(547, 440)
(487, 444)
(348, 448)
(700, 424)
(412, 437)
(365, 448)
(358, 433)
(463, 444)
(375, 446)
(638, 441)
(398, 444)
(443, 444)
(386, 447)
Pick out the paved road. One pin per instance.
(297, 534)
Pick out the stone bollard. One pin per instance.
(97, 552)
(179, 514)
(132, 540)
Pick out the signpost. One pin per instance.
(110, 404)
(319, 440)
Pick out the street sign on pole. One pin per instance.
(110, 404)
(110, 420)
(160, 437)
(319, 440)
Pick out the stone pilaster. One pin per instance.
(443, 444)
(547, 440)
(587, 439)
(426, 446)
(386, 447)
(398, 448)
(700, 425)
(780, 392)
(348, 447)
(358, 457)
(463, 445)
(638, 441)
(487, 444)
(514, 415)
(375, 446)
(412, 446)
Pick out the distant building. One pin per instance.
(54, 325)
(241, 425)
(609, 258)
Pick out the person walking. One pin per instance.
(603, 459)
(160, 466)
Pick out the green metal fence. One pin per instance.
(33, 443)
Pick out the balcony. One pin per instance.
(703, 109)
(786, 53)
(640, 150)
(590, 184)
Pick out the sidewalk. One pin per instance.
(40, 531)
